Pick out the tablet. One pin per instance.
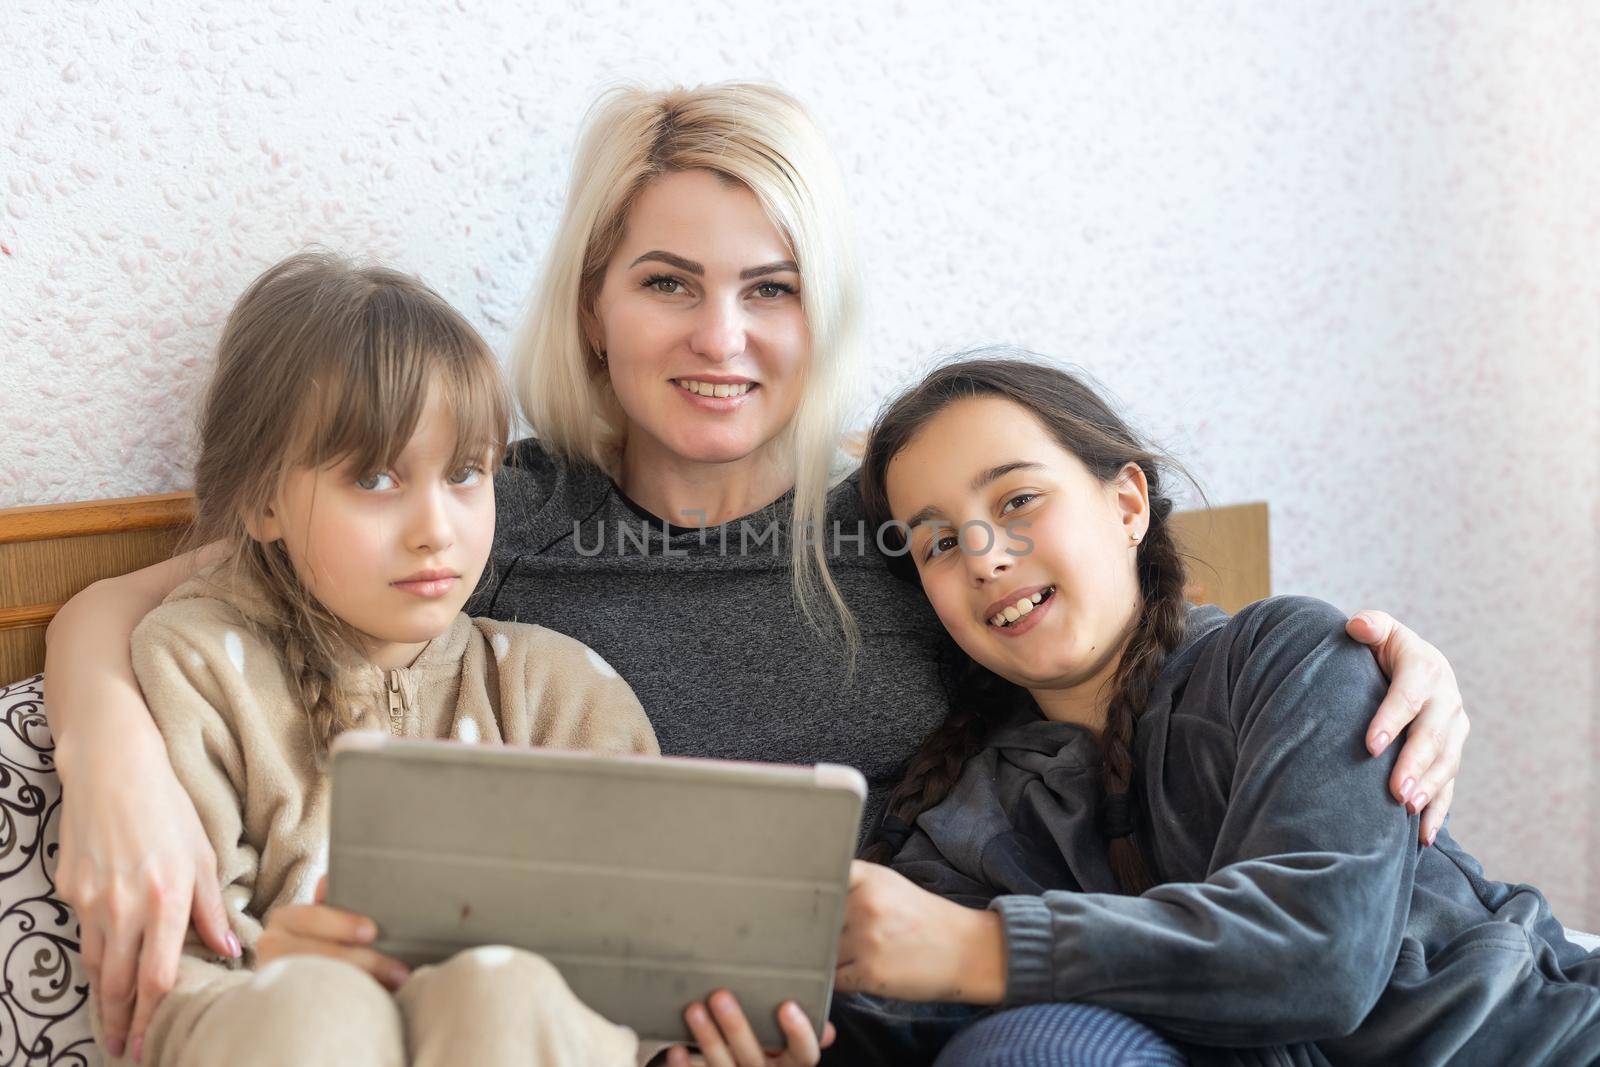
(648, 882)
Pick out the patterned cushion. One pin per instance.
(44, 1016)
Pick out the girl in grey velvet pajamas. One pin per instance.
(1155, 808)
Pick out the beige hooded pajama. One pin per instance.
(241, 744)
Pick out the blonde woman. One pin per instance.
(682, 509)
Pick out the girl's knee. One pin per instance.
(493, 981)
(505, 1005)
(501, 966)
(317, 983)
(303, 1010)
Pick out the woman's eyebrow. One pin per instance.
(689, 266)
(771, 268)
(671, 259)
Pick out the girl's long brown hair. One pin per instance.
(322, 362)
(1085, 425)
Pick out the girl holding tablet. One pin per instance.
(345, 489)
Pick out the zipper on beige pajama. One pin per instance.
(397, 704)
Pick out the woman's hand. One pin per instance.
(1424, 696)
(135, 863)
(136, 869)
(319, 930)
(902, 941)
(726, 1040)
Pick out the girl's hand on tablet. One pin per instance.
(726, 1040)
(902, 941)
(1423, 696)
(318, 930)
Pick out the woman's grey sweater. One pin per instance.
(1298, 922)
(703, 626)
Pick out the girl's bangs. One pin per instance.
(366, 407)
(474, 391)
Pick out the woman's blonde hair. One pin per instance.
(763, 139)
(323, 362)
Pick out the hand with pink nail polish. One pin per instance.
(139, 872)
(1424, 701)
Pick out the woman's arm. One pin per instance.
(135, 863)
(88, 673)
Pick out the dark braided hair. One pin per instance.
(1085, 425)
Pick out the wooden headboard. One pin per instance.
(48, 553)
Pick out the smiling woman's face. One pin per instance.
(1001, 513)
(700, 318)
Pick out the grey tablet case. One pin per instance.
(648, 882)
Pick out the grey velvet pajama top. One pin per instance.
(1298, 920)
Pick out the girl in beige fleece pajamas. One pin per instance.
(220, 696)
(346, 451)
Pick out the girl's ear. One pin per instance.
(1132, 495)
(264, 525)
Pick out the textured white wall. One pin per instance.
(1342, 255)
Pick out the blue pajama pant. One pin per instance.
(875, 1032)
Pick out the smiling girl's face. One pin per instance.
(700, 318)
(1027, 557)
